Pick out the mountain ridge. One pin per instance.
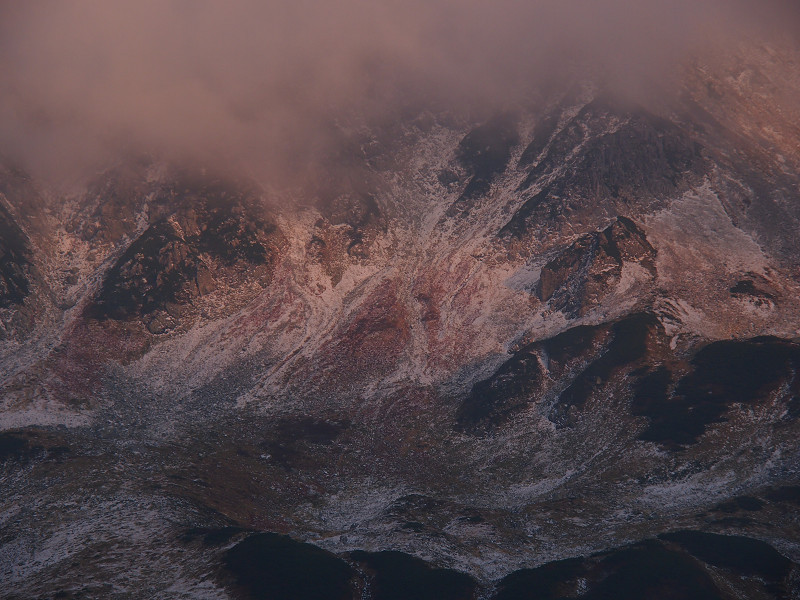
(553, 333)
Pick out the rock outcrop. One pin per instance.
(580, 276)
(549, 354)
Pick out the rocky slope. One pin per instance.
(534, 354)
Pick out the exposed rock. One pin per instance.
(542, 134)
(160, 322)
(115, 199)
(15, 255)
(483, 403)
(579, 360)
(628, 345)
(756, 289)
(485, 150)
(483, 153)
(516, 384)
(174, 260)
(724, 373)
(592, 161)
(580, 276)
(157, 268)
(204, 280)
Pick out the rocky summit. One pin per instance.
(551, 351)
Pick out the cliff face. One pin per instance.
(554, 332)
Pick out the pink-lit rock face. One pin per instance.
(543, 349)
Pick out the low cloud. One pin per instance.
(257, 85)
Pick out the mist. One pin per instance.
(258, 86)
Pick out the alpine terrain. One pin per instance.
(548, 351)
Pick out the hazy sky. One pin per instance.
(255, 82)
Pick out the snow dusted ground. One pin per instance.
(322, 402)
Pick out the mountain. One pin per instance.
(548, 352)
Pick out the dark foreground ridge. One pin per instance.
(685, 565)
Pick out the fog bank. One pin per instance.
(258, 85)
